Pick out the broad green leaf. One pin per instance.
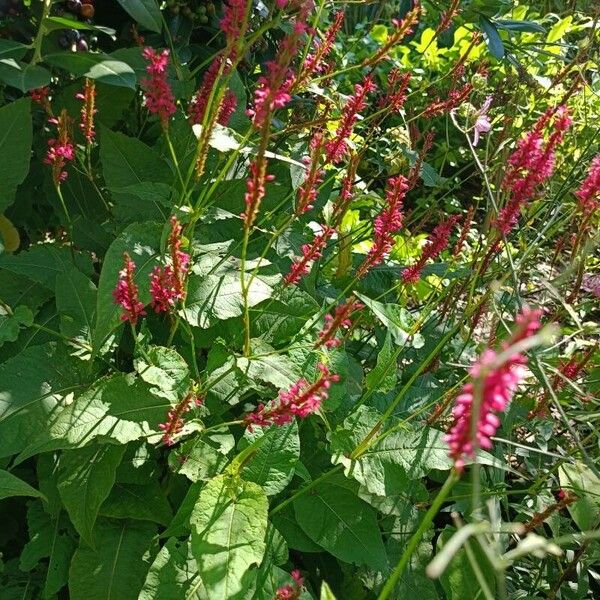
(54, 23)
(517, 25)
(94, 66)
(180, 525)
(383, 377)
(23, 76)
(47, 540)
(85, 478)
(583, 483)
(13, 486)
(294, 536)
(164, 368)
(213, 298)
(76, 298)
(326, 593)
(269, 367)
(145, 12)
(346, 526)
(403, 454)
(117, 565)
(16, 134)
(33, 386)
(202, 457)
(229, 524)
(143, 502)
(141, 242)
(174, 575)
(119, 408)
(12, 49)
(10, 325)
(43, 262)
(272, 466)
(492, 38)
(559, 29)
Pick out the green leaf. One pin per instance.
(116, 567)
(272, 466)
(326, 593)
(141, 241)
(15, 147)
(180, 525)
(54, 23)
(166, 369)
(47, 541)
(386, 465)
(145, 12)
(492, 38)
(384, 375)
(119, 408)
(582, 481)
(13, 486)
(559, 29)
(23, 76)
(346, 526)
(10, 325)
(174, 574)
(94, 66)
(76, 297)
(202, 457)
(12, 49)
(143, 502)
(517, 25)
(213, 298)
(85, 479)
(33, 386)
(396, 319)
(229, 524)
(293, 534)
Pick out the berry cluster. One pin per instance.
(72, 39)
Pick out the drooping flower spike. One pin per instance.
(588, 194)
(174, 423)
(476, 418)
(60, 148)
(301, 400)
(126, 293)
(157, 92)
(88, 110)
(340, 320)
(310, 253)
(308, 190)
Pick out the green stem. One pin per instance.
(37, 44)
(390, 584)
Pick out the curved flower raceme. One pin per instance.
(167, 284)
(126, 294)
(476, 420)
(588, 193)
(334, 323)
(88, 110)
(157, 92)
(301, 400)
(60, 149)
(310, 253)
(174, 423)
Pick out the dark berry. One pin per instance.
(82, 45)
(73, 6)
(87, 11)
(72, 35)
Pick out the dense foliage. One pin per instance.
(299, 299)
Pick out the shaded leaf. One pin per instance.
(13, 486)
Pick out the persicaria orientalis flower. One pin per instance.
(126, 292)
(301, 400)
(289, 591)
(198, 105)
(453, 100)
(41, 96)
(338, 321)
(175, 422)
(395, 97)
(233, 24)
(588, 193)
(308, 190)
(60, 149)
(489, 393)
(157, 92)
(337, 148)
(255, 190)
(310, 253)
(167, 284)
(531, 164)
(88, 110)
(387, 222)
(436, 243)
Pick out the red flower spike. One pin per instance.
(157, 92)
(310, 253)
(403, 28)
(455, 98)
(126, 292)
(60, 149)
(395, 97)
(339, 320)
(308, 190)
(174, 423)
(337, 148)
(436, 243)
(498, 387)
(255, 190)
(301, 400)
(387, 222)
(88, 110)
(167, 284)
(588, 193)
(464, 231)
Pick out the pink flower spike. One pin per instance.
(157, 92)
(588, 193)
(174, 423)
(498, 384)
(339, 320)
(301, 400)
(88, 110)
(310, 253)
(482, 122)
(60, 149)
(126, 292)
